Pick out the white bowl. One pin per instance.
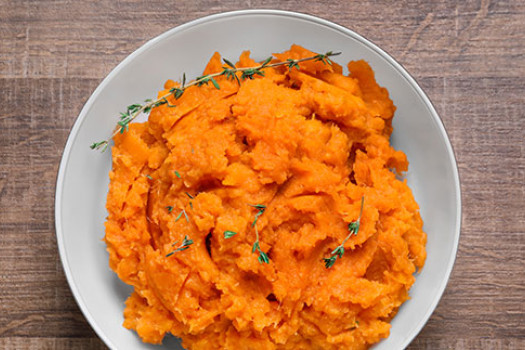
(83, 175)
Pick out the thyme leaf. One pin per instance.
(229, 234)
(98, 145)
(180, 215)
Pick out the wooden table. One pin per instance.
(467, 56)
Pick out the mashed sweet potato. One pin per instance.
(308, 144)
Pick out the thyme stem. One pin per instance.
(229, 71)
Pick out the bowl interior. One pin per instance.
(83, 176)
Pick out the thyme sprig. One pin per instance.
(229, 70)
(353, 228)
(263, 257)
(186, 242)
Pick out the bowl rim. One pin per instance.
(211, 18)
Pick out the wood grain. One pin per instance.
(467, 56)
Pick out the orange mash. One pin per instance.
(307, 144)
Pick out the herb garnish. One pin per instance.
(180, 215)
(177, 174)
(263, 257)
(229, 234)
(229, 71)
(184, 245)
(353, 228)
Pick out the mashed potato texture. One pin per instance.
(308, 144)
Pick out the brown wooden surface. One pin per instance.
(468, 56)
